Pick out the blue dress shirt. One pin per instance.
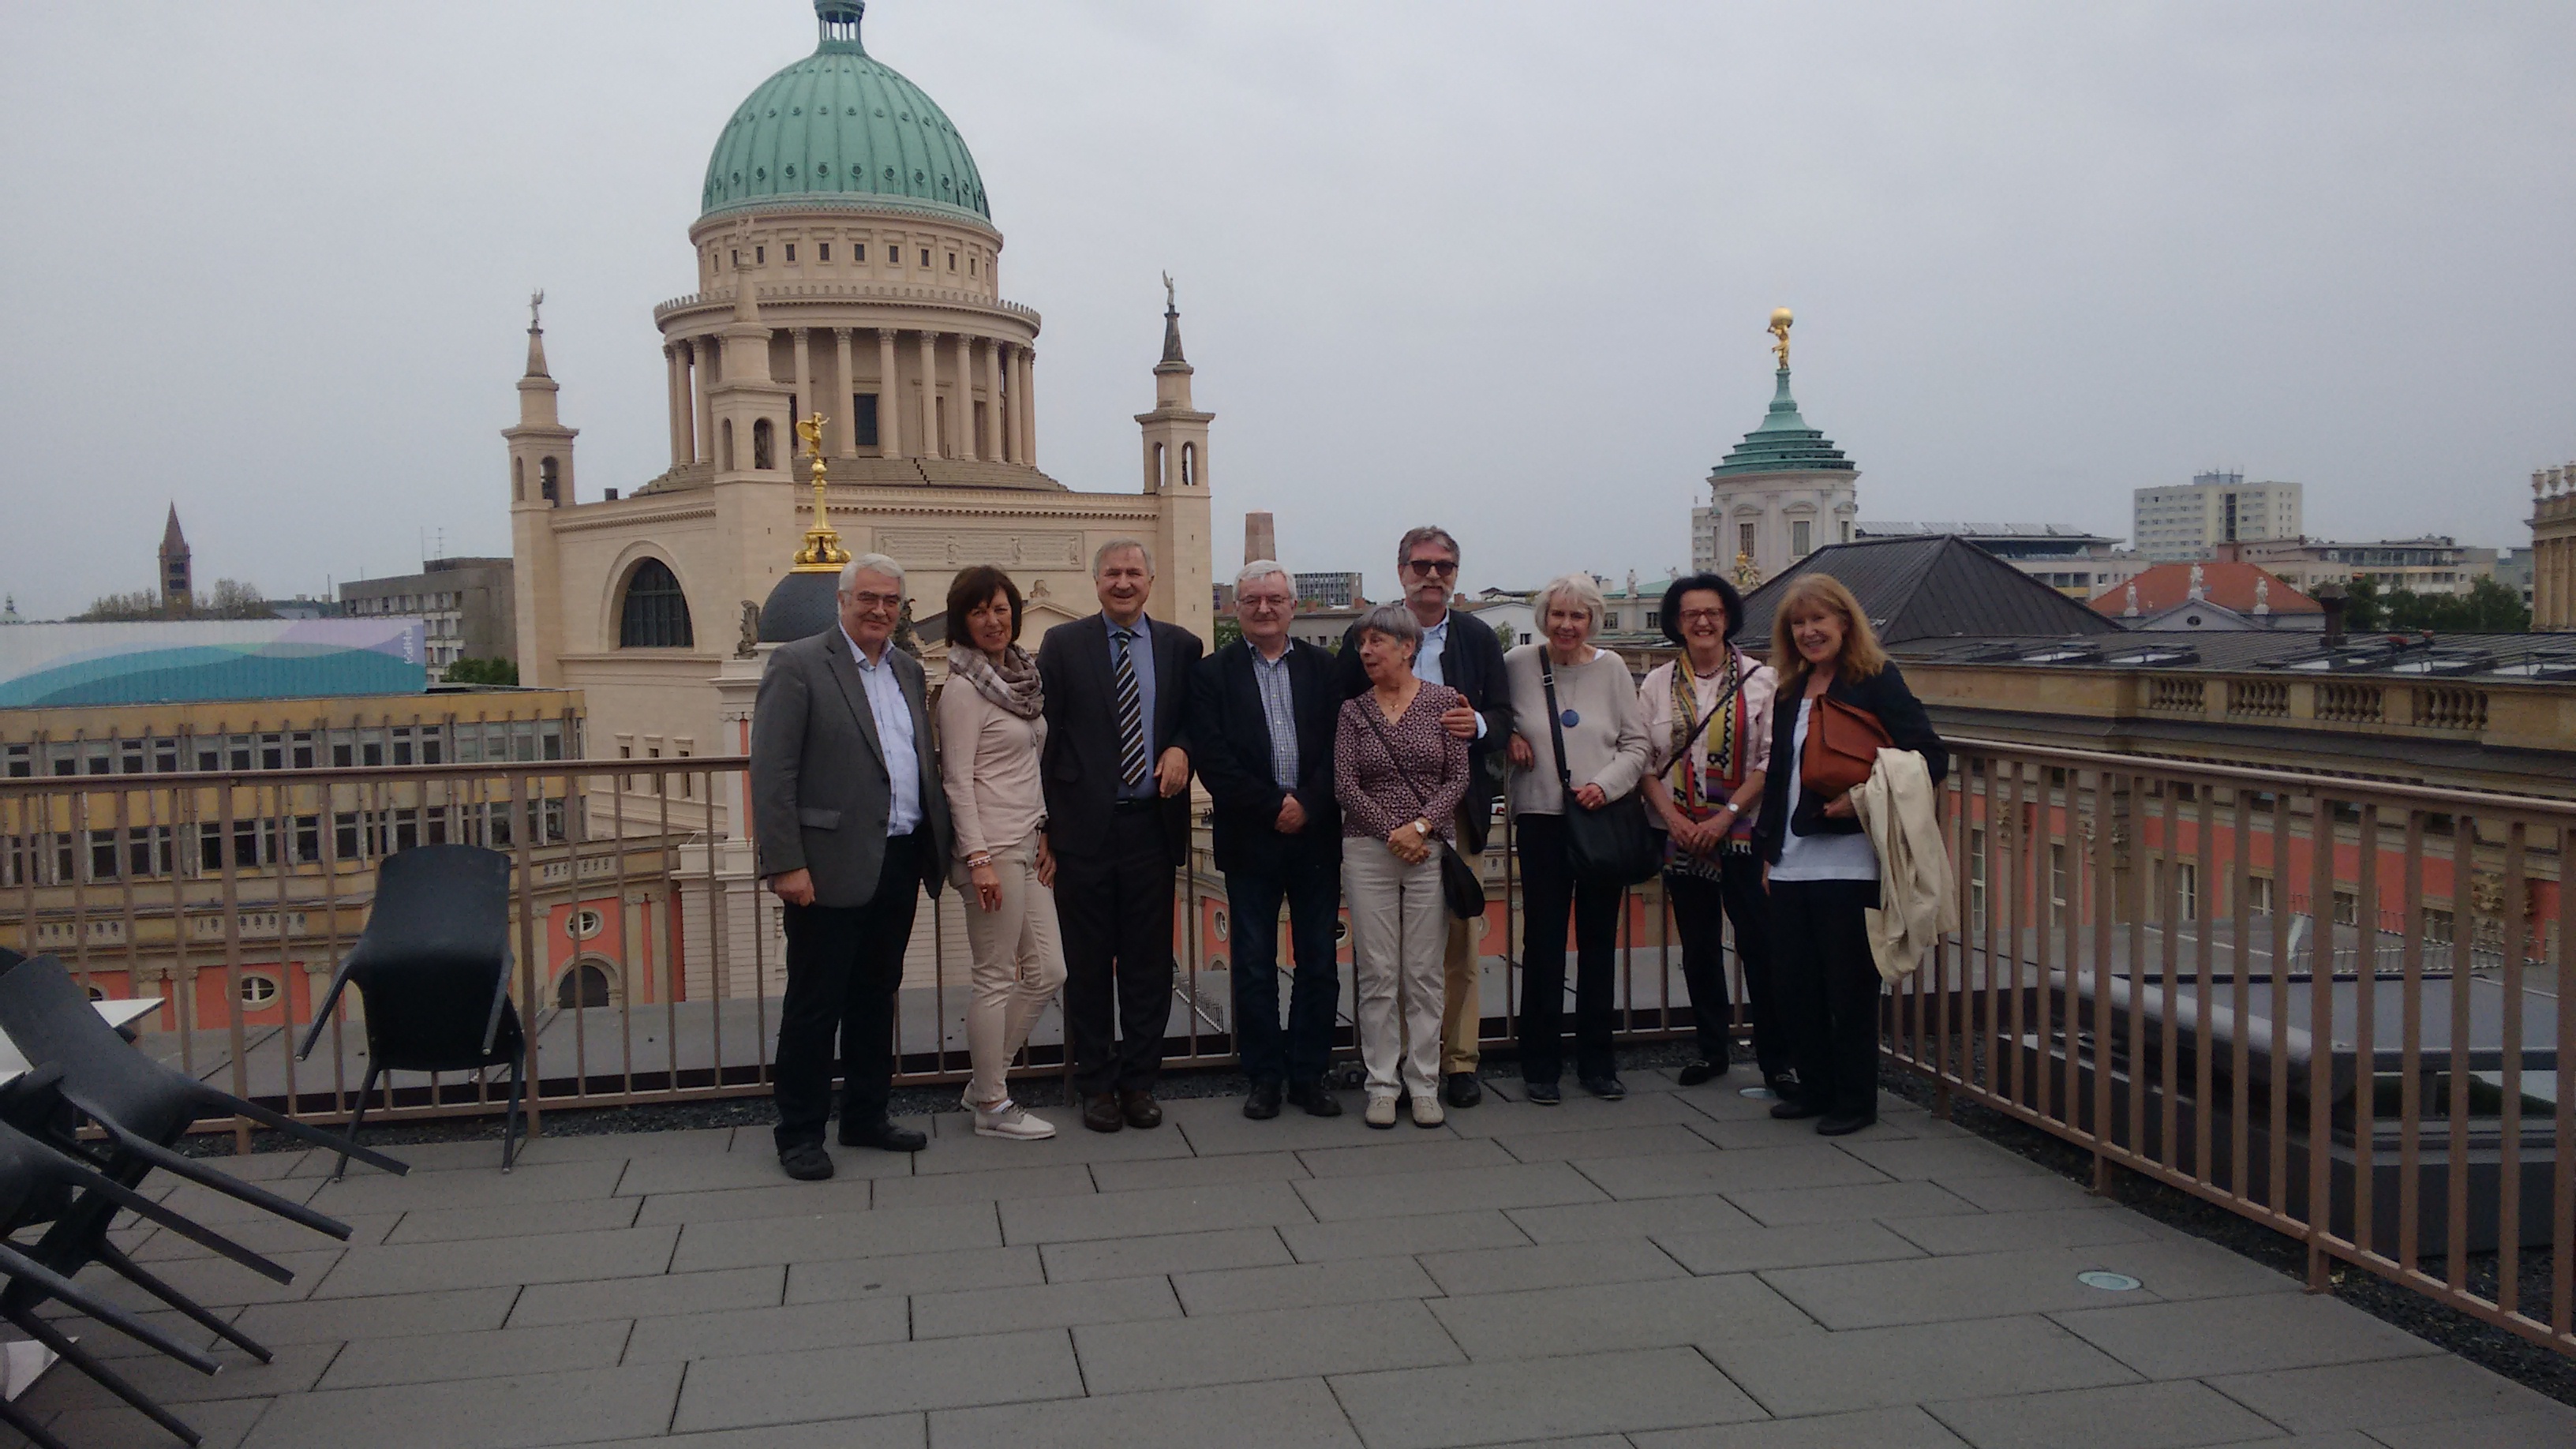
(893, 715)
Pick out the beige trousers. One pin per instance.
(1399, 929)
(1463, 988)
(1019, 963)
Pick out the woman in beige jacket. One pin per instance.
(991, 728)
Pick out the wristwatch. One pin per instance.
(1422, 827)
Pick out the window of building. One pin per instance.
(2347, 908)
(952, 261)
(1744, 539)
(863, 419)
(760, 256)
(925, 257)
(584, 985)
(654, 614)
(548, 475)
(585, 924)
(791, 251)
(763, 444)
(2439, 926)
(1801, 538)
(822, 251)
(859, 253)
(970, 266)
(258, 989)
(1976, 878)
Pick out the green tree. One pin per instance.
(484, 671)
(2487, 608)
(232, 599)
(2367, 613)
(1228, 629)
(119, 608)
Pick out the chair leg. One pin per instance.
(358, 1117)
(106, 1378)
(141, 1277)
(510, 1123)
(279, 1121)
(18, 1419)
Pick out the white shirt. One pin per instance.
(1818, 857)
(893, 714)
(1426, 661)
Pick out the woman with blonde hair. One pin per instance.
(1818, 867)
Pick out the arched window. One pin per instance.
(1189, 464)
(583, 985)
(1162, 476)
(728, 445)
(549, 472)
(518, 480)
(761, 434)
(655, 614)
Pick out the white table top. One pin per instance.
(120, 1011)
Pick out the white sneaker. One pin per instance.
(1007, 1118)
(1381, 1109)
(1426, 1111)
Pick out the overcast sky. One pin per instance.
(1500, 265)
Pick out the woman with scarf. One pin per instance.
(991, 727)
(1708, 737)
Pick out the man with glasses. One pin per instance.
(1460, 651)
(1117, 775)
(1262, 717)
(851, 825)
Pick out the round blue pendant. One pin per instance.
(1569, 719)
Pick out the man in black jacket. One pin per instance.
(1460, 651)
(1262, 720)
(1117, 773)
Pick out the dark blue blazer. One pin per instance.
(1231, 733)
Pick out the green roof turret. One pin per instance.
(1784, 443)
(842, 129)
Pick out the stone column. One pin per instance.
(970, 440)
(804, 387)
(845, 404)
(993, 401)
(889, 421)
(675, 396)
(1026, 413)
(702, 356)
(930, 439)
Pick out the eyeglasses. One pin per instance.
(1260, 603)
(866, 600)
(1703, 616)
(1443, 567)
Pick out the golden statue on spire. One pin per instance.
(1780, 328)
(822, 553)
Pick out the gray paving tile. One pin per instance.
(2383, 1396)
(1489, 1403)
(1462, 1189)
(222, 1283)
(783, 1199)
(1552, 1322)
(1578, 1113)
(1940, 1290)
(495, 1354)
(1071, 1143)
(1055, 1180)
(221, 1209)
(451, 1225)
(268, 1234)
(1302, 1285)
(1395, 1237)
(1550, 1265)
(538, 1182)
(1842, 1204)
(110, 1344)
(1906, 1428)
(1052, 1305)
(2175, 1267)
(845, 1278)
(1725, 1101)
(712, 1172)
(224, 1424)
(1885, 1367)
(2021, 1194)
(2123, 1416)
(334, 1320)
(1216, 1127)
(1754, 1169)
(1768, 1131)
(890, 1431)
(649, 1297)
(271, 1166)
(840, 1322)
(1279, 1344)
(2553, 1427)
(1658, 1139)
(1948, 1159)
(1162, 1253)
(788, 1388)
(294, 1370)
(2240, 1335)
(1639, 1217)
(1149, 1173)
(522, 1411)
(2003, 1232)
(1438, 1154)
(1160, 1210)
(1792, 1245)
(882, 1233)
(1294, 1414)
(550, 1258)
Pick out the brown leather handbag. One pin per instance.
(1843, 742)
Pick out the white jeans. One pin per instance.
(1019, 963)
(1399, 932)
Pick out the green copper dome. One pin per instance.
(840, 128)
(1784, 443)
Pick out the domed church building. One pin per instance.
(847, 264)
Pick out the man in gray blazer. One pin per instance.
(848, 816)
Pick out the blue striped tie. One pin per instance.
(1131, 712)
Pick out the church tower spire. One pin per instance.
(541, 481)
(178, 587)
(1176, 473)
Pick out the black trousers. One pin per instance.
(1828, 987)
(844, 964)
(1115, 911)
(1548, 890)
(1309, 882)
(1702, 910)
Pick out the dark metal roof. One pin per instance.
(1934, 588)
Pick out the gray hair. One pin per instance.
(1416, 537)
(872, 563)
(1395, 621)
(1578, 588)
(1262, 568)
(1100, 555)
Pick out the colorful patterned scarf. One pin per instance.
(1707, 764)
(1013, 686)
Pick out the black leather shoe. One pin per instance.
(1140, 1109)
(806, 1162)
(1790, 1109)
(1462, 1089)
(1263, 1104)
(886, 1135)
(1542, 1094)
(1608, 1089)
(1701, 1071)
(1100, 1112)
(1842, 1124)
(1316, 1101)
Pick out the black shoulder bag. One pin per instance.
(1460, 886)
(1614, 845)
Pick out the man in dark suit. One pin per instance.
(1117, 766)
(1262, 718)
(850, 824)
(1460, 651)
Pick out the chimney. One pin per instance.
(1260, 537)
(2331, 598)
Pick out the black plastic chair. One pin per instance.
(434, 967)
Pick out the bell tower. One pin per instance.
(540, 483)
(1176, 474)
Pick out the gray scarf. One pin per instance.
(1013, 686)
